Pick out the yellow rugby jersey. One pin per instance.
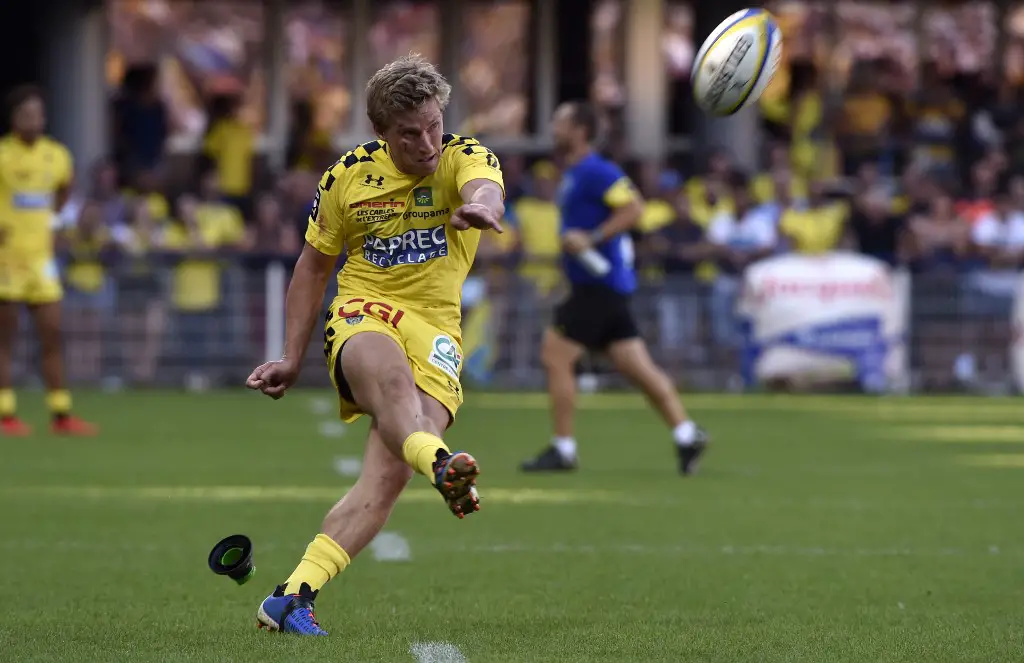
(30, 177)
(395, 226)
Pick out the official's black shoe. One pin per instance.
(549, 460)
(689, 454)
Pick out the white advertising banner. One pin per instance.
(812, 320)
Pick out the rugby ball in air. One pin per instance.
(736, 62)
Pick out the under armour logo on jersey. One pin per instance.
(374, 181)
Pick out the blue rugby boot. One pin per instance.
(289, 613)
(455, 478)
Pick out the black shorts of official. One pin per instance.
(595, 316)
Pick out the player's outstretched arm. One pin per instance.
(302, 310)
(483, 206)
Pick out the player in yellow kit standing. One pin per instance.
(35, 179)
(408, 210)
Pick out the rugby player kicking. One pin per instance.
(408, 210)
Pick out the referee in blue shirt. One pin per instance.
(599, 206)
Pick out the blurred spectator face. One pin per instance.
(983, 179)
(147, 181)
(268, 211)
(106, 179)
(778, 158)
(741, 198)
(681, 204)
(868, 174)
(565, 133)
(719, 164)
(90, 219)
(942, 207)
(210, 186)
(545, 185)
(1017, 191)
(187, 206)
(782, 179)
(816, 192)
(29, 118)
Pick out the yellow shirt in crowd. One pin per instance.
(814, 230)
(197, 281)
(231, 144)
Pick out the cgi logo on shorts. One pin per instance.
(410, 248)
(445, 355)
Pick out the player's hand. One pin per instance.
(575, 241)
(273, 378)
(475, 215)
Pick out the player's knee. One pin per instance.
(397, 386)
(554, 358)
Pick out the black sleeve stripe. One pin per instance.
(350, 160)
(329, 182)
(372, 146)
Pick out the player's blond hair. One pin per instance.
(404, 85)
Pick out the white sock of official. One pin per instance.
(685, 433)
(566, 447)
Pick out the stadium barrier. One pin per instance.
(840, 318)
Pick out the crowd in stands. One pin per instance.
(930, 178)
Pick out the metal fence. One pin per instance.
(138, 330)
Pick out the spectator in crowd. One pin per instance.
(230, 145)
(978, 202)
(213, 211)
(537, 224)
(936, 115)
(89, 299)
(779, 184)
(708, 192)
(141, 293)
(107, 194)
(148, 188)
(200, 240)
(937, 245)
(742, 235)
(816, 228)
(680, 248)
(866, 118)
(997, 238)
(141, 121)
(270, 234)
(876, 230)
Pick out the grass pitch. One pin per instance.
(819, 529)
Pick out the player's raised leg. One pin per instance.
(632, 360)
(10, 424)
(377, 371)
(559, 355)
(47, 319)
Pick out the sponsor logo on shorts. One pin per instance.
(412, 247)
(354, 320)
(446, 356)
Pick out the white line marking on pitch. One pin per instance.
(320, 405)
(348, 466)
(436, 652)
(332, 429)
(390, 547)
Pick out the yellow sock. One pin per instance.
(8, 403)
(323, 560)
(420, 451)
(59, 401)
